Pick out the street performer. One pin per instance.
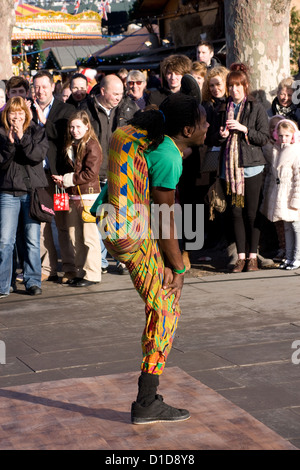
(145, 164)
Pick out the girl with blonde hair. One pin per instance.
(282, 188)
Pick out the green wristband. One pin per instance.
(179, 271)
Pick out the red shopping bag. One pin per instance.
(61, 199)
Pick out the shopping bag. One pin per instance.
(61, 199)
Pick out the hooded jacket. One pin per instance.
(281, 193)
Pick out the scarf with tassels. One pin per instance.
(233, 172)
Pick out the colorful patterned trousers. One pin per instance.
(129, 195)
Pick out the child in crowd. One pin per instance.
(84, 158)
(268, 150)
(282, 188)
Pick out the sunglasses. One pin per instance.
(138, 82)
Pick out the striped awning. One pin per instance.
(27, 10)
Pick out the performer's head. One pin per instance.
(179, 116)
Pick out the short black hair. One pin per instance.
(180, 110)
(207, 44)
(78, 75)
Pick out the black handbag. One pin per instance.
(211, 160)
(41, 203)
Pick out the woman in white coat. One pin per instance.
(282, 188)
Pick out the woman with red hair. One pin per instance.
(245, 132)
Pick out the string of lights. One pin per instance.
(31, 53)
(122, 36)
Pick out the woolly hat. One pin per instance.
(190, 86)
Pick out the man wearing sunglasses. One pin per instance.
(136, 88)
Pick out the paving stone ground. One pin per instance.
(238, 338)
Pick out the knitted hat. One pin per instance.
(190, 86)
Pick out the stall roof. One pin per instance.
(65, 56)
(135, 42)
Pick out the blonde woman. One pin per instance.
(84, 158)
(23, 147)
(214, 95)
(283, 102)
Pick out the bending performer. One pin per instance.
(145, 164)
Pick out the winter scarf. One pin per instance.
(233, 172)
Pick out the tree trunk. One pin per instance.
(8, 18)
(257, 34)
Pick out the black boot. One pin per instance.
(149, 407)
(148, 384)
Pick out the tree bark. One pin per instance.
(8, 18)
(257, 34)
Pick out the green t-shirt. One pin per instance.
(164, 165)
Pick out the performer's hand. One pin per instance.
(168, 277)
(173, 283)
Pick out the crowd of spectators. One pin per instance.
(57, 135)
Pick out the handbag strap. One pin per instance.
(59, 190)
(80, 194)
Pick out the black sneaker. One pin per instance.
(157, 412)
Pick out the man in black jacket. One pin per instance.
(110, 109)
(53, 115)
(205, 53)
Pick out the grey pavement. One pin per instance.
(236, 335)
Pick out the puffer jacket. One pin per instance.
(281, 192)
(28, 153)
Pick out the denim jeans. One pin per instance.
(11, 207)
(292, 240)
(104, 262)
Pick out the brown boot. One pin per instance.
(252, 265)
(239, 266)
